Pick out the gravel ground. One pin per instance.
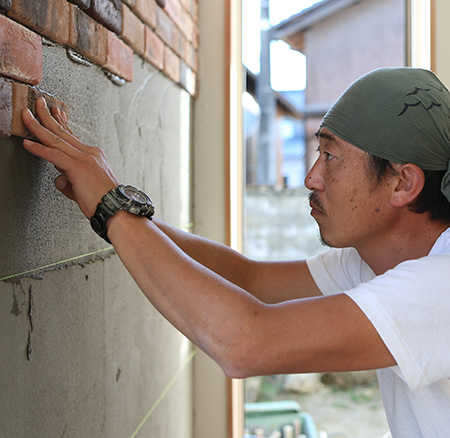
(347, 405)
(354, 413)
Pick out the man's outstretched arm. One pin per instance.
(270, 282)
(243, 334)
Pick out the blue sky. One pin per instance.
(288, 66)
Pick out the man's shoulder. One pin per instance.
(442, 244)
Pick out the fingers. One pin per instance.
(49, 131)
(85, 172)
(62, 119)
(55, 156)
(63, 185)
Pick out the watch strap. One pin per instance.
(112, 202)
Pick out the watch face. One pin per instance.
(134, 194)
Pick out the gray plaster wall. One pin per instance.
(278, 225)
(82, 352)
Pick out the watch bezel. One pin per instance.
(119, 199)
(129, 192)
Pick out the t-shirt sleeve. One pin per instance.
(338, 270)
(409, 307)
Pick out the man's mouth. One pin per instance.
(315, 203)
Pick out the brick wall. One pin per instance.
(106, 33)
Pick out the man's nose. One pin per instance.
(314, 180)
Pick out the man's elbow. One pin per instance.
(241, 361)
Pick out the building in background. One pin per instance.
(287, 160)
(342, 40)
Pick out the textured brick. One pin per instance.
(177, 42)
(119, 58)
(171, 64)
(147, 11)
(187, 79)
(187, 25)
(5, 5)
(174, 10)
(186, 4)
(83, 4)
(195, 37)
(191, 57)
(5, 108)
(20, 52)
(108, 13)
(15, 96)
(87, 37)
(165, 27)
(48, 17)
(154, 49)
(194, 10)
(133, 31)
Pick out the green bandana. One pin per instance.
(399, 114)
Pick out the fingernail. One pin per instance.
(61, 182)
(29, 113)
(43, 101)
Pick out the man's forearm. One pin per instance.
(220, 258)
(204, 306)
(270, 282)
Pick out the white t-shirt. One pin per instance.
(410, 308)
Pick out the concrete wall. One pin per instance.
(82, 351)
(278, 225)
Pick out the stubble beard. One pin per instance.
(315, 203)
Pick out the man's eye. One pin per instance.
(327, 155)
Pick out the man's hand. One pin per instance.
(86, 175)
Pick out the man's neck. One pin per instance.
(406, 243)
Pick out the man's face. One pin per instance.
(350, 206)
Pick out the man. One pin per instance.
(381, 301)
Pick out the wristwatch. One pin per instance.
(127, 198)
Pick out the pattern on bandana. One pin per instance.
(422, 97)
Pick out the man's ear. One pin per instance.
(410, 180)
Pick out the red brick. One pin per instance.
(108, 13)
(15, 96)
(177, 42)
(24, 96)
(194, 10)
(20, 52)
(119, 58)
(187, 25)
(5, 108)
(83, 4)
(133, 31)
(165, 27)
(174, 10)
(154, 49)
(146, 9)
(186, 4)
(171, 64)
(191, 57)
(48, 17)
(87, 37)
(195, 37)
